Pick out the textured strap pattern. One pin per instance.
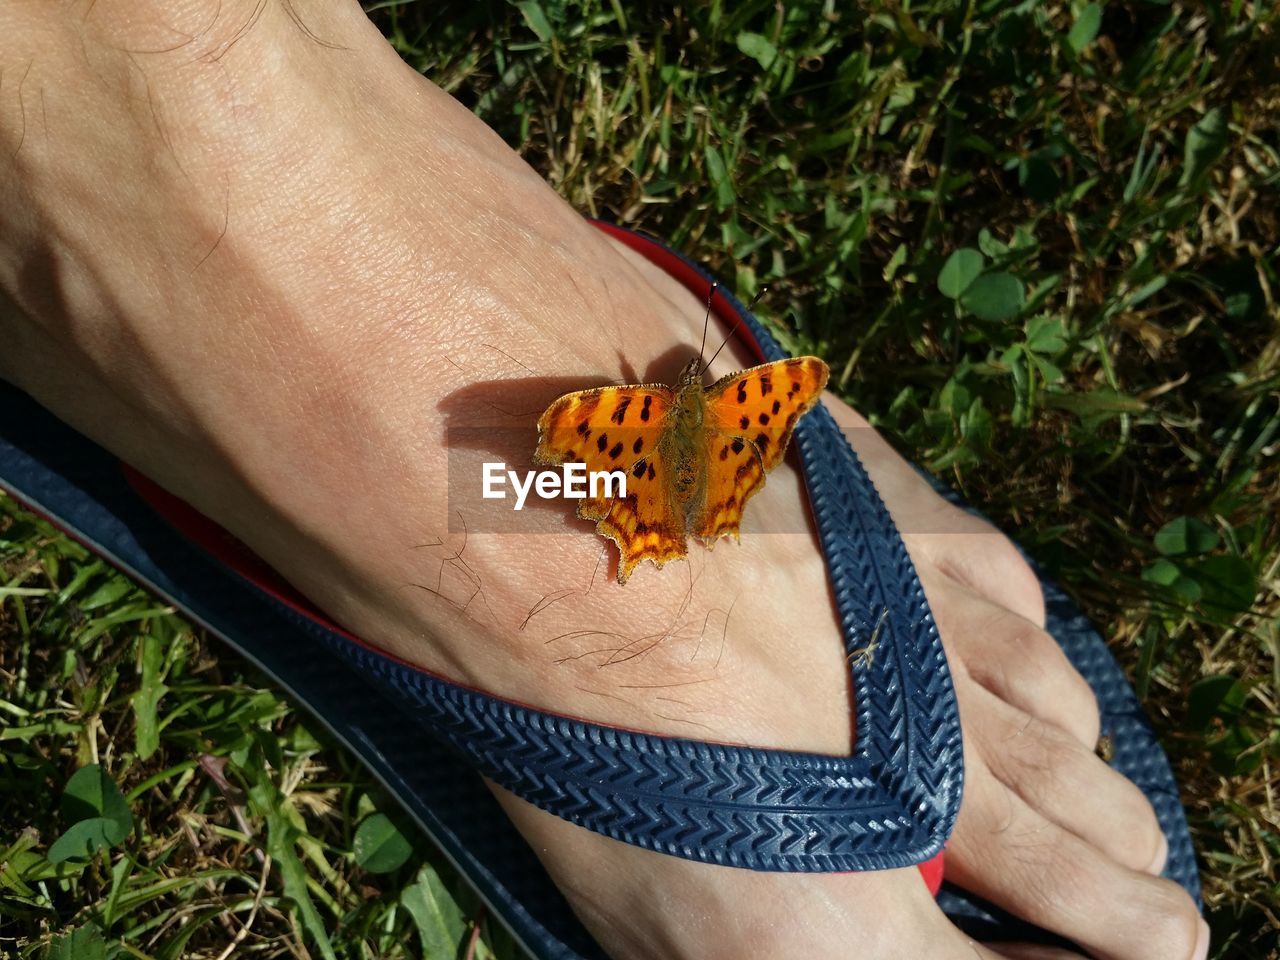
(892, 803)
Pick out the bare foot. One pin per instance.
(270, 266)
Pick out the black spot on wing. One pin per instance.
(615, 451)
(651, 471)
(777, 405)
(638, 445)
(742, 391)
(587, 405)
(638, 470)
(737, 444)
(644, 412)
(766, 386)
(724, 453)
(584, 430)
(744, 422)
(602, 441)
(620, 412)
(764, 419)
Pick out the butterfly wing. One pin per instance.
(619, 429)
(749, 421)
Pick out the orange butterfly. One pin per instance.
(693, 455)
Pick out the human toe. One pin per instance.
(1009, 853)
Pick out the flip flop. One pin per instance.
(891, 803)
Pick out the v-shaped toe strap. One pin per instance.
(891, 803)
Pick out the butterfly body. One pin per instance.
(685, 438)
(693, 455)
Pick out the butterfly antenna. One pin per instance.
(750, 307)
(711, 295)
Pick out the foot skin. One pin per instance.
(271, 266)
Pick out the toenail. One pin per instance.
(1158, 861)
(1202, 942)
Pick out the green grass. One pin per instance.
(1100, 371)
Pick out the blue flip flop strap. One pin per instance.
(891, 803)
